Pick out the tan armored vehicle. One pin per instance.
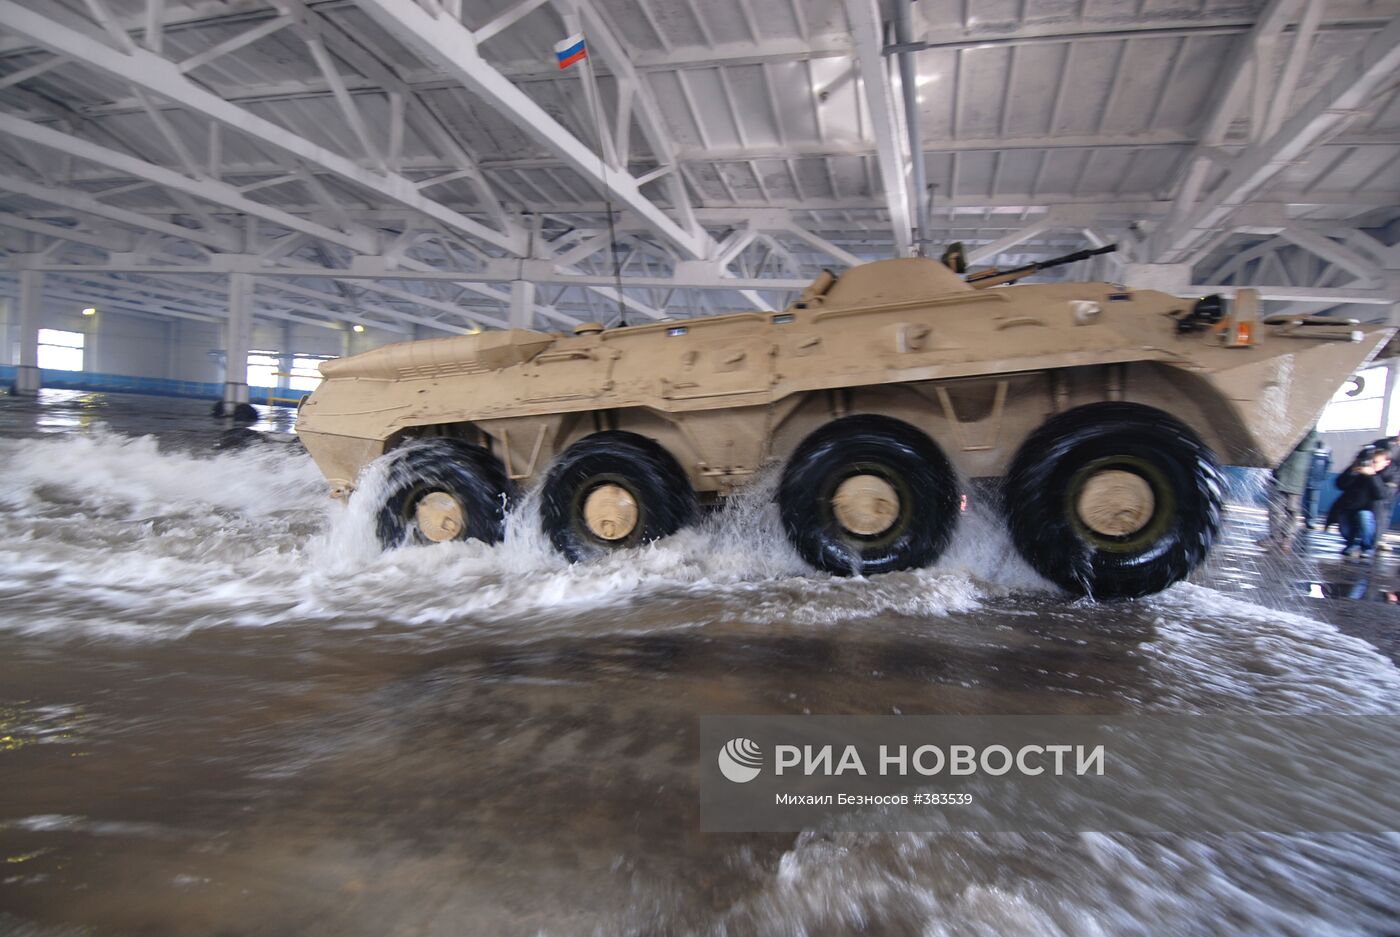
(881, 393)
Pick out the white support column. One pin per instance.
(522, 304)
(238, 335)
(285, 357)
(31, 305)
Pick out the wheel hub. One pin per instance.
(1115, 503)
(865, 505)
(610, 512)
(440, 517)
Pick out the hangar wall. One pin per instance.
(174, 349)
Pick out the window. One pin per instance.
(60, 351)
(262, 369)
(306, 373)
(265, 366)
(1362, 411)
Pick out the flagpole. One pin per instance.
(596, 96)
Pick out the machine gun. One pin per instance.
(994, 277)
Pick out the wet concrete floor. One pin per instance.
(223, 711)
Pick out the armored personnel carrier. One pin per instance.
(880, 392)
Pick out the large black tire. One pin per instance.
(905, 458)
(241, 412)
(662, 494)
(1048, 474)
(468, 473)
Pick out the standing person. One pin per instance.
(1286, 493)
(1390, 445)
(1318, 468)
(1363, 493)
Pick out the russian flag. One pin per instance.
(571, 50)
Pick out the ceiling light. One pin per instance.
(926, 79)
(90, 311)
(357, 327)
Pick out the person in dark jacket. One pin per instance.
(1390, 445)
(1363, 493)
(1319, 467)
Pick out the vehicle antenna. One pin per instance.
(607, 192)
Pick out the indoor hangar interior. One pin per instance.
(428, 420)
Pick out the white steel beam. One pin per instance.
(154, 36)
(1389, 257)
(1327, 112)
(448, 44)
(864, 17)
(1332, 252)
(689, 275)
(474, 315)
(1239, 69)
(1292, 68)
(1235, 265)
(33, 71)
(473, 284)
(336, 299)
(233, 43)
(509, 17)
(987, 251)
(147, 70)
(1333, 295)
(85, 203)
(220, 193)
(76, 235)
(636, 92)
(819, 243)
(108, 22)
(88, 295)
(406, 108)
(138, 295)
(347, 106)
(209, 303)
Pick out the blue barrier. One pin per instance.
(150, 386)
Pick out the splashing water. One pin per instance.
(252, 533)
(373, 740)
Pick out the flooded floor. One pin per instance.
(224, 712)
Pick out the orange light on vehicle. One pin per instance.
(1244, 333)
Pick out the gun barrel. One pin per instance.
(1078, 255)
(1016, 273)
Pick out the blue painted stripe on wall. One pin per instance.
(151, 386)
